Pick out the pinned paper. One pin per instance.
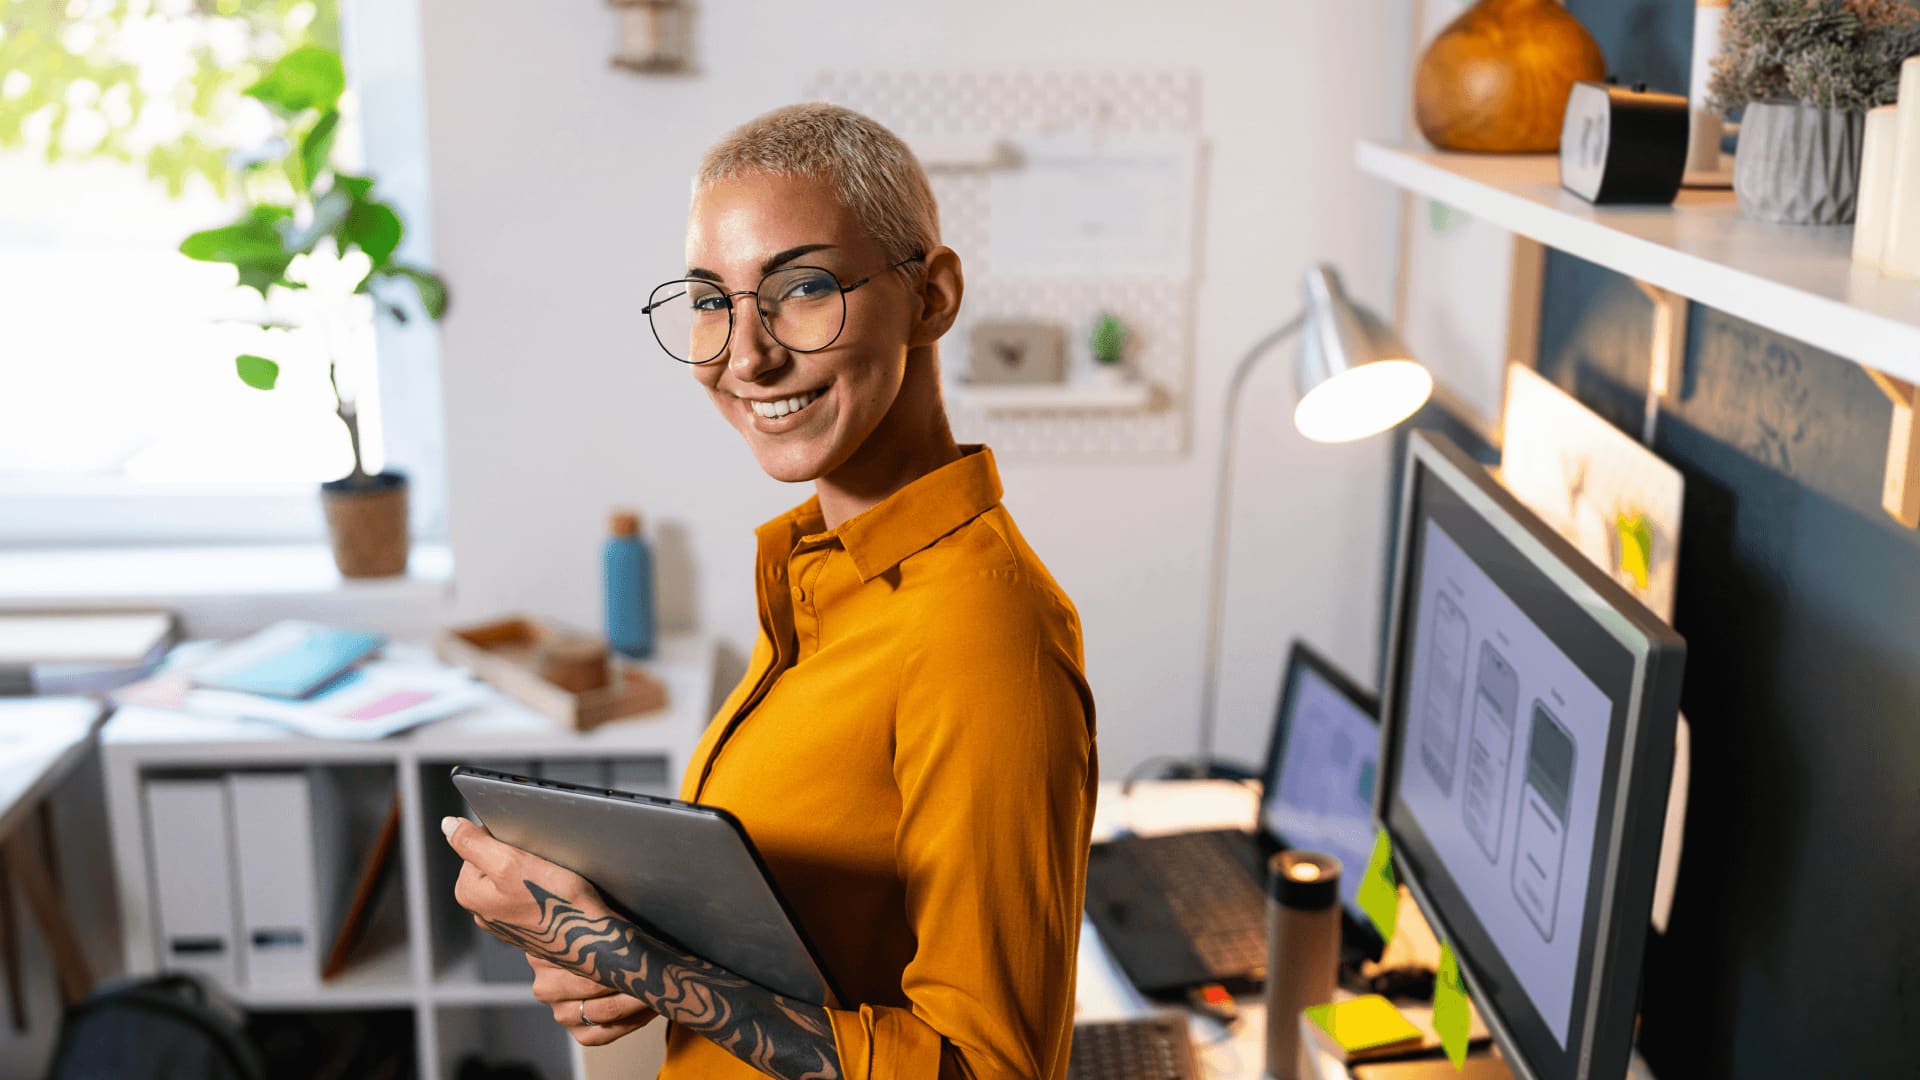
(1450, 1007)
(1379, 894)
(1636, 547)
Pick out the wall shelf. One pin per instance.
(1799, 281)
(1054, 397)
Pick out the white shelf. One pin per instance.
(379, 979)
(1796, 280)
(1054, 397)
(414, 968)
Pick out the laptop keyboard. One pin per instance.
(1154, 1048)
(1213, 899)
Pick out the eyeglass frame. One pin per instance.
(760, 312)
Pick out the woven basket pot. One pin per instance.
(1798, 165)
(367, 522)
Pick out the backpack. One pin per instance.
(167, 1028)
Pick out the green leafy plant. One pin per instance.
(1109, 340)
(1830, 54)
(159, 85)
(319, 212)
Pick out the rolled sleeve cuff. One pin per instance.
(881, 1043)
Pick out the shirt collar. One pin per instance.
(908, 520)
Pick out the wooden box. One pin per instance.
(505, 653)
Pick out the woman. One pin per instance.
(912, 747)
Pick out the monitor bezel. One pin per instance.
(1600, 1039)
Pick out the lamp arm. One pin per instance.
(1222, 518)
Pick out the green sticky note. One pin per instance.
(1636, 547)
(1450, 1007)
(1379, 894)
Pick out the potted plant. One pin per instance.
(1807, 71)
(312, 232)
(1109, 342)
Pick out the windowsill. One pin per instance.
(222, 590)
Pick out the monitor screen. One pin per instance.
(1321, 791)
(1527, 703)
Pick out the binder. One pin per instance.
(189, 844)
(277, 834)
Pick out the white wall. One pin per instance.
(560, 187)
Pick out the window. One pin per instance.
(121, 416)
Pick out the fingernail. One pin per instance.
(448, 824)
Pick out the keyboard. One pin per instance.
(1214, 901)
(1152, 1048)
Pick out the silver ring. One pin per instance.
(583, 1014)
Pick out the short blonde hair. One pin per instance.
(869, 168)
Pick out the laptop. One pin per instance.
(1187, 909)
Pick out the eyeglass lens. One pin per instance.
(802, 307)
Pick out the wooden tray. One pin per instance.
(504, 653)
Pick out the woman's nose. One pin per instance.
(752, 354)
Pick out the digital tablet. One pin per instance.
(683, 871)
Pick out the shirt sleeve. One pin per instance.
(995, 764)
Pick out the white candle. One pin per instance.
(1876, 184)
(1902, 255)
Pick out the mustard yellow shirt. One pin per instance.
(912, 752)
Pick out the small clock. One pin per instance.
(1623, 146)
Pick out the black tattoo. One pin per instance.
(771, 1032)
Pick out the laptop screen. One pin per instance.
(1319, 794)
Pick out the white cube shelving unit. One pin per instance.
(424, 961)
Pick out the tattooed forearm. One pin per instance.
(773, 1033)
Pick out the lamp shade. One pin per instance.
(1354, 375)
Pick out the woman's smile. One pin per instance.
(773, 416)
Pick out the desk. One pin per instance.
(1103, 992)
(41, 739)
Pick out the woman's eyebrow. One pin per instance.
(773, 262)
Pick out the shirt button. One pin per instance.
(799, 595)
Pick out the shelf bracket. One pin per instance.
(1669, 353)
(1900, 495)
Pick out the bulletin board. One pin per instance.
(998, 147)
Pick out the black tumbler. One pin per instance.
(1303, 948)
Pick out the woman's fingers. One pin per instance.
(613, 1017)
(554, 984)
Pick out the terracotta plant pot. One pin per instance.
(1496, 79)
(1798, 165)
(367, 522)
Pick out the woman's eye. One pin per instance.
(810, 287)
(709, 303)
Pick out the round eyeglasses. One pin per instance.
(804, 308)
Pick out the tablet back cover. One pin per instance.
(686, 873)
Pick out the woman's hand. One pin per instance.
(516, 896)
(614, 1015)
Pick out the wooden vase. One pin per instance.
(1496, 79)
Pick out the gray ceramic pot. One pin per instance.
(1798, 165)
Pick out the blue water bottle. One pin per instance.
(629, 579)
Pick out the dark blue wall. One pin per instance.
(1794, 949)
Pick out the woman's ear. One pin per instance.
(940, 292)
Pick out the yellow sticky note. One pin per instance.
(1636, 547)
(1450, 1007)
(1379, 894)
(1362, 1023)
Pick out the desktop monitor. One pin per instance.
(1527, 728)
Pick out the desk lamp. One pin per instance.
(1355, 379)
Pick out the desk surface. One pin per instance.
(40, 739)
(1103, 992)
